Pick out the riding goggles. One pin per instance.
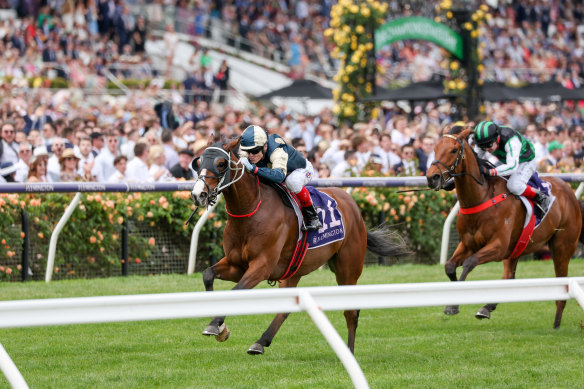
(255, 150)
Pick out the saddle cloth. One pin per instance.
(333, 227)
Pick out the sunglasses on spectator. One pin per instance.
(70, 158)
(256, 150)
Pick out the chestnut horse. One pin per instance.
(261, 233)
(491, 234)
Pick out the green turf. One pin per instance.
(409, 347)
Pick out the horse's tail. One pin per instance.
(385, 242)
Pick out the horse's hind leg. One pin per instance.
(509, 266)
(349, 266)
(224, 271)
(266, 339)
(563, 246)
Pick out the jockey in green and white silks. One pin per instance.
(270, 157)
(517, 158)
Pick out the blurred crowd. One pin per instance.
(140, 138)
(152, 134)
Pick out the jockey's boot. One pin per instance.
(311, 221)
(542, 200)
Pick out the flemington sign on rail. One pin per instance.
(419, 28)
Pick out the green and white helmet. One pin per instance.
(485, 133)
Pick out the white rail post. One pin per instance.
(446, 233)
(576, 292)
(308, 304)
(55, 235)
(10, 370)
(579, 190)
(195, 237)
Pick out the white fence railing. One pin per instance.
(25, 313)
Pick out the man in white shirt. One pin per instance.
(9, 146)
(385, 152)
(22, 166)
(53, 166)
(86, 158)
(137, 169)
(103, 167)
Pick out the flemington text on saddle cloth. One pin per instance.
(333, 228)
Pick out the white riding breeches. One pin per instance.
(299, 177)
(517, 181)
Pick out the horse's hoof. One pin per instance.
(224, 334)
(451, 310)
(483, 313)
(255, 349)
(211, 330)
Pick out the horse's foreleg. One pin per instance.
(509, 266)
(222, 270)
(266, 339)
(460, 254)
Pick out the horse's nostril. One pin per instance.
(435, 177)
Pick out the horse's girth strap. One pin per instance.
(487, 204)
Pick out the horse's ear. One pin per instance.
(210, 140)
(231, 145)
(466, 133)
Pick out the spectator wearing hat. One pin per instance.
(550, 163)
(7, 171)
(183, 168)
(68, 162)
(121, 164)
(8, 148)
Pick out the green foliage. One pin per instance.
(90, 242)
(351, 30)
(141, 83)
(89, 245)
(59, 83)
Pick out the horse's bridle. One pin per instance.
(224, 178)
(450, 170)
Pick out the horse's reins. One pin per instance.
(450, 170)
(214, 193)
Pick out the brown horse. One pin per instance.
(261, 233)
(491, 234)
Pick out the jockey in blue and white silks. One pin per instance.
(271, 158)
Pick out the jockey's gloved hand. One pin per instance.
(488, 172)
(249, 166)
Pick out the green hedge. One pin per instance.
(89, 243)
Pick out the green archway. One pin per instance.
(419, 28)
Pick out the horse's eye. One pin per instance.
(453, 151)
(222, 165)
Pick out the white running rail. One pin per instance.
(26, 313)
